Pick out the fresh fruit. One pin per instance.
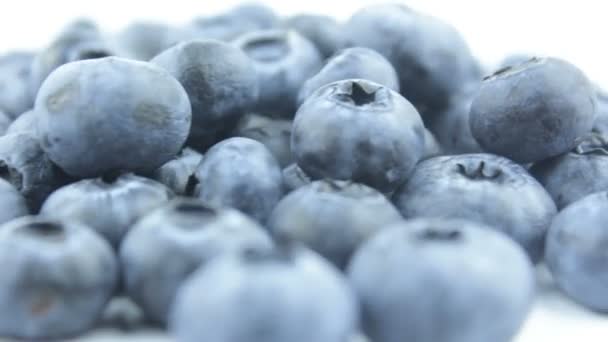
(109, 205)
(483, 188)
(533, 111)
(432, 280)
(57, 278)
(332, 217)
(111, 115)
(286, 294)
(166, 246)
(358, 130)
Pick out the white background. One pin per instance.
(573, 30)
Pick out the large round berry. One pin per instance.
(332, 217)
(287, 294)
(574, 175)
(166, 246)
(442, 281)
(109, 205)
(431, 58)
(220, 81)
(56, 278)
(533, 111)
(483, 188)
(111, 114)
(240, 173)
(358, 130)
(576, 251)
(283, 61)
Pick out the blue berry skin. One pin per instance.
(332, 217)
(269, 296)
(283, 61)
(108, 205)
(574, 175)
(323, 31)
(240, 173)
(601, 112)
(111, 115)
(15, 93)
(576, 251)
(351, 63)
(294, 177)
(57, 279)
(533, 111)
(451, 127)
(483, 188)
(221, 84)
(25, 165)
(274, 133)
(432, 148)
(12, 203)
(358, 130)
(430, 56)
(177, 174)
(5, 122)
(166, 246)
(442, 281)
(79, 40)
(25, 123)
(143, 40)
(234, 23)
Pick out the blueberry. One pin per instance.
(240, 173)
(332, 217)
(25, 165)
(111, 115)
(235, 22)
(268, 296)
(274, 133)
(177, 174)
(358, 130)
(25, 123)
(451, 127)
(142, 40)
(576, 251)
(294, 177)
(533, 111)
(441, 281)
(323, 31)
(166, 246)
(12, 203)
(80, 40)
(57, 278)
(15, 93)
(483, 188)
(353, 63)
(283, 61)
(220, 82)
(109, 205)
(574, 175)
(431, 58)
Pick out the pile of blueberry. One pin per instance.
(250, 178)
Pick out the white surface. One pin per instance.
(573, 30)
